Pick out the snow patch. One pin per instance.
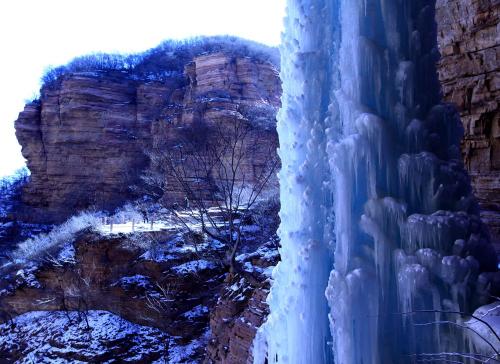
(194, 266)
(196, 312)
(62, 337)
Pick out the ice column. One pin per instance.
(408, 235)
(297, 331)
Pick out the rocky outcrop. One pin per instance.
(109, 274)
(82, 142)
(168, 287)
(468, 37)
(75, 337)
(155, 279)
(241, 308)
(85, 139)
(240, 311)
(222, 91)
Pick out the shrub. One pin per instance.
(127, 213)
(10, 190)
(163, 61)
(45, 244)
(182, 51)
(89, 63)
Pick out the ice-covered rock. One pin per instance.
(485, 328)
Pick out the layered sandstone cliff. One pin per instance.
(85, 139)
(469, 70)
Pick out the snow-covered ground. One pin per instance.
(130, 223)
(182, 353)
(63, 337)
(59, 337)
(196, 312)
(129, 227)
(194, 266)
(265, 253)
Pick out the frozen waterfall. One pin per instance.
(377, 218)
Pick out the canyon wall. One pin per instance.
(468, 37)
(85, 139)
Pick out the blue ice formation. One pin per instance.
(378, 222)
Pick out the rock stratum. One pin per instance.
(85, 139)
(468, 37)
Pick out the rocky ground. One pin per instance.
(148, 296)
(76, 337)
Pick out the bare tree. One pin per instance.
(74, 289)
(458, 357)
(162, 298)
(214, 168)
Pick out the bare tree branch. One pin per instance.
(209, 166)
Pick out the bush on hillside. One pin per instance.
(40, 246)
(10, 191)
(163, 61)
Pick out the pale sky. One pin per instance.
(35, 34)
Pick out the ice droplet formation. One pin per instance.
(377, 217)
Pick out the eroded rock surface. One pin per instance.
(468, 37)
(153, 283)
(169, 288)
(241, 309)
(108, 273)
(73, 337)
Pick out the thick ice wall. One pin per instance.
(299, 304)
(409, 224)
(373, 189)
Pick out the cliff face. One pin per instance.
(85, 139)
(468, 37)
(81, 142)
(241, 309)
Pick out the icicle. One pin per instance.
(361, 122)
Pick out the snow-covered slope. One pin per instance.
(64, 337)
